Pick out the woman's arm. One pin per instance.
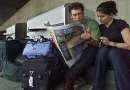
(126, 37)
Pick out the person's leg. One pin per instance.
(121, 64)
(101, 65)
(87, 58)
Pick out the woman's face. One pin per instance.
(104, 18)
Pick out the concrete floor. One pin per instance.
(9, 85)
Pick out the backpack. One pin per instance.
(35, 73)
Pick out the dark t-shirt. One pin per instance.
(113, 32)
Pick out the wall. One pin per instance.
(35, 7)
(128, 15)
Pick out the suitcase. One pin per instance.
(9, 50)
(2, 54)
(52, 70)
(13, 46)
(36, 73)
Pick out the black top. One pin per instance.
(113, 32)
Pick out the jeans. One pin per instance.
(119, 59)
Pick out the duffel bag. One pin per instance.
(35, 49)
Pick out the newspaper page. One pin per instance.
(67, 39)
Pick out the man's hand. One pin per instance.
(74, 41)
(86, 35)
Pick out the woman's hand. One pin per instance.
(105, 40)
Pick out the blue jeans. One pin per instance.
(119, 59)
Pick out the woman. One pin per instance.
(115, 37)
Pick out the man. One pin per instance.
(91, 35)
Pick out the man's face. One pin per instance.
(77, 15)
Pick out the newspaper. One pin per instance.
(68, 39)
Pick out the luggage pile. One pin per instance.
(37, 64)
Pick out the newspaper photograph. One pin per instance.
(68, 39)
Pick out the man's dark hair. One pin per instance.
(75, 5)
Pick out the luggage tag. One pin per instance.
(30, 81)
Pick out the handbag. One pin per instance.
(35, 49)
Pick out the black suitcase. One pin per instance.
(9, 50)
(13, 49)
(35, 74)
(2, 54)
(51, 69)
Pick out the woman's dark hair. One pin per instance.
(108, 7)
(75, 5)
